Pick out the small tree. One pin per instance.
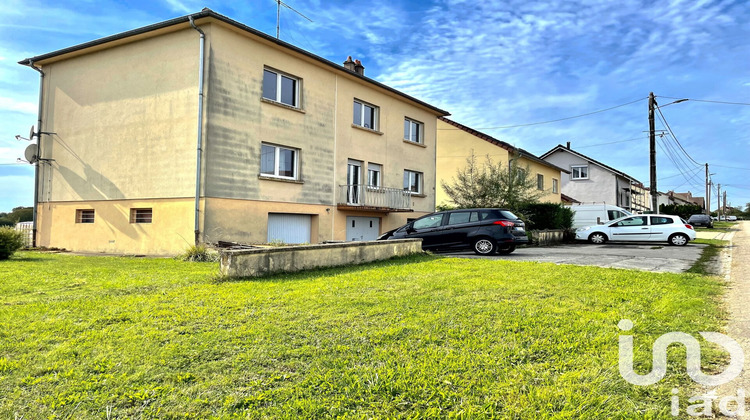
(11, 241)
(492, 185)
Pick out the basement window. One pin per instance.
(140, 215)
(84, 216)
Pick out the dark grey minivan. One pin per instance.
(486, 231)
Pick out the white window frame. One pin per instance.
(414, 123)
(375, 114)
(374, 168)
(409, 174)
(295, 163)
(540, 177)
(555, 186)
(279, 76)
(574, 167)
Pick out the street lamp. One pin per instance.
(652, 145)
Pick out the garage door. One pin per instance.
(289, 228)
(362, 228)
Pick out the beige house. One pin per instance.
(201, 129)
(457, 142)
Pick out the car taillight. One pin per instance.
(688, 226)
(503, 223)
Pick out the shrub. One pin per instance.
(682, 210)
(199, 253)
(11, 241)
(540, 216)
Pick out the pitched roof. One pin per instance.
(507, 146)
(210, 14)
(568, 199)
(594, 161)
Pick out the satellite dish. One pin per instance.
(31, 133)
(31, 153)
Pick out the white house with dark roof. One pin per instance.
(592, 181)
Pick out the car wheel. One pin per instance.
(678, 239)
(484, 246)
(506, 251)
(597, 238)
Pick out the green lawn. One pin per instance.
(422, 337)
(718, 227)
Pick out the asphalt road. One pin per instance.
(642, 256)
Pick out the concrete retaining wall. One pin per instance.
(260, 262)
(547, 237)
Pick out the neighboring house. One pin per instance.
(688, 198)
(457, 142)
(280, 145)
(591, 181)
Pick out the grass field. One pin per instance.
(422, 337)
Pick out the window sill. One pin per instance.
(415, 143)
(418, 195)
(369, 130)
(274, 178)
(282, 105)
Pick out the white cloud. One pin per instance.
(10, 104)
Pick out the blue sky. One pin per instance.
(496, 66)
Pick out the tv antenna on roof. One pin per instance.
(280, 3)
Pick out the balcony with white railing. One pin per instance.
(366, 198)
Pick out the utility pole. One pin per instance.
(724, 212)
(708, 198)
(708, 191)
(718, 200)
(652, 145)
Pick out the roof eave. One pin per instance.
(208, 13)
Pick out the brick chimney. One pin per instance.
(359, 68)
(349, 63)
(567, 146)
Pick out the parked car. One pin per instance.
(731, 218)
(653, 228)
(594, 214)
(486, 231)
(701, 220)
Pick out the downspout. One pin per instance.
(39, 153)
(199, 149)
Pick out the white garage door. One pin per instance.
(289, 228)
(362, 228)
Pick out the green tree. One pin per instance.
(492, 185)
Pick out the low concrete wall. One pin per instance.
(260, 262)
(547, 237)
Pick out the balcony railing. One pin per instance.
(363, 197)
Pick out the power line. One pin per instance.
(675, 137)
(552, 121)
(706, 100)
(612, 142)
(731, 167)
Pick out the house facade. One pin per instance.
(457, 142)
(591, 181)
(201, 129)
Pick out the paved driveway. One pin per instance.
(642, 256)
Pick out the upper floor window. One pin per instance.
(141, 215)
(555, 186)
(277, 161)
(540, 182)
(413, 131)
(579, 172)
(413, 181)
(365, 115)
(374, 172)
(84, 216)
(281, 88)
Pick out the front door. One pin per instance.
(633, 228)
(353, 181)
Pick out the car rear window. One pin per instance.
(660, 220)
(508, 215)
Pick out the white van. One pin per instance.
(595, 214)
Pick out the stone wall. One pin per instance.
(260, 262)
